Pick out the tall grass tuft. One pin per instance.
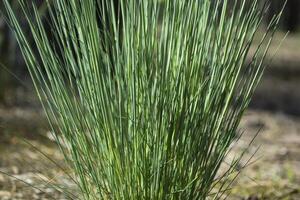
(145, 97)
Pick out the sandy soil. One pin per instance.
(274, 171)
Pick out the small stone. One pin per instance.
(2, 179)
(15, 170)
(4, 194)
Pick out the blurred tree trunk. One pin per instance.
(290, 19)
(4, 31)
(9, 56)
(293, 9)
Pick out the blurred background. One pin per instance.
(273, 173)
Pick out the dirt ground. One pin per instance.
(274, 172)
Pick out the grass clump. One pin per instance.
(145, 98)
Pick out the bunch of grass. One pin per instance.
(146, 105)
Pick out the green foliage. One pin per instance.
(148, 106)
